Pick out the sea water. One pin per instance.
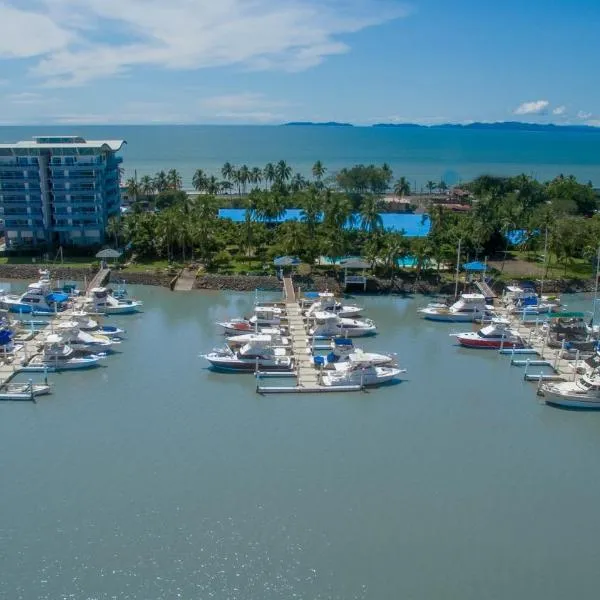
(153, 477)
(420, 155)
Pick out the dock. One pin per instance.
(485, 289)
(307, 375)
(185, 281)
(99, 279)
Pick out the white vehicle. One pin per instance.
(466, 309)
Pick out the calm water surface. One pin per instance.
(156, 478)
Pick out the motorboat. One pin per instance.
(328, 325)
(466, 309)
(38, 299)
(23, 391)
(523, 299)
(100, 301)
(344, 351)
(264, 316)
(244, 338)
(257, 354)
(86, 323)
(496, 335)
(326, 301)
(56, 355)
(360, 373)
(84, 341)
(584, 392)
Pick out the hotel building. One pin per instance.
(58, 190)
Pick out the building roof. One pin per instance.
(66, 141)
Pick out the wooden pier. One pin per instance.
(185, 281)
(307, 375)
(99, 279)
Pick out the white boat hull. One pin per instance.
(367, 378)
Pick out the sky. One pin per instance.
(273, 61)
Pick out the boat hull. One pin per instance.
(448, 317)
(247, 366)
(488, 344)
(571, 401)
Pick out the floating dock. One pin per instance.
(307, 375)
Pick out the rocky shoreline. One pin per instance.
(249, 283)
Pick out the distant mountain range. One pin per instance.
(499, 126)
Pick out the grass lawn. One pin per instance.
(143, 266)
(77, 262)
(523, 265)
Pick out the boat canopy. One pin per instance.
(474, 266)
(567, 315)
(343, 342)
(57, 297)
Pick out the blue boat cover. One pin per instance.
(474, 266)
(311, 294)
(57, 297)
(5, 337)
(343, 342)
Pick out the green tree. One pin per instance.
(199, 180)
(244, 177)
(283, 172)
(370, 219)
(133, 189)
(161, 182)
(174, 180)
(402, 187)
(269, 174)
(431, 185)
(227, 171)
(318, 171)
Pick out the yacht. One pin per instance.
(328, 325)
(264, 316)
(86, 323)
(58, 356)
(496, 335)
(466, 309)
(38, 299)
(582, 393)
(327, 302)
(243, 338)
(256, 354)
(84, 341)
(362, 373)
(101, 302)
(343, 351)
(525, 300)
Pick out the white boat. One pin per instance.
(525, 300)
(496, 335)
(264, 316)
(86, 323)
(581, 393)
(257, 354)
(466, 309)
(328, 325)
(23, 391)
(38, 299)
(101, 302)
(343, 351)
(58, 356)
(84, 341)
(244, 338)
(327, 302)
(362, 373)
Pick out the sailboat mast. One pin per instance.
(545, 262)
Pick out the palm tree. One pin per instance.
(311, 204)
(402, 187)
(114, 228)
(318, 171)
(147, 186)
(199, 180)
(225, 187)
(269, 206)
(227, 171)
(442, 186)
(431, 185)
(370, 219)
(237, 180)
(133, 189)
(212, 186)
(244, 176)
(161, 183)
(269, 174)
(174, 180)
(298, 183)
(256, 175)
(283, 171)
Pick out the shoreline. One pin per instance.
(249, 283)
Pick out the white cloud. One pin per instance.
(559, 110)
(584, 116)
(594, 123)
(24, 98)
(112, 36)
(246, 106)
(537, 107)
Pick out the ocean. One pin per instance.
(453, 155)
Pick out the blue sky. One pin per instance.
(271, 61)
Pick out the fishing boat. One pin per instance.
(85, 341)
(38, 299)
(58, 356)
(23, 391)
(326, 301)
(360, 372)
(343, 351)
(257, 354)
(493, 336)
(466, 309)
(523, 299)
(581, 393)
(86, 323)
(328, 325)
(101, 302)
(264, 316)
